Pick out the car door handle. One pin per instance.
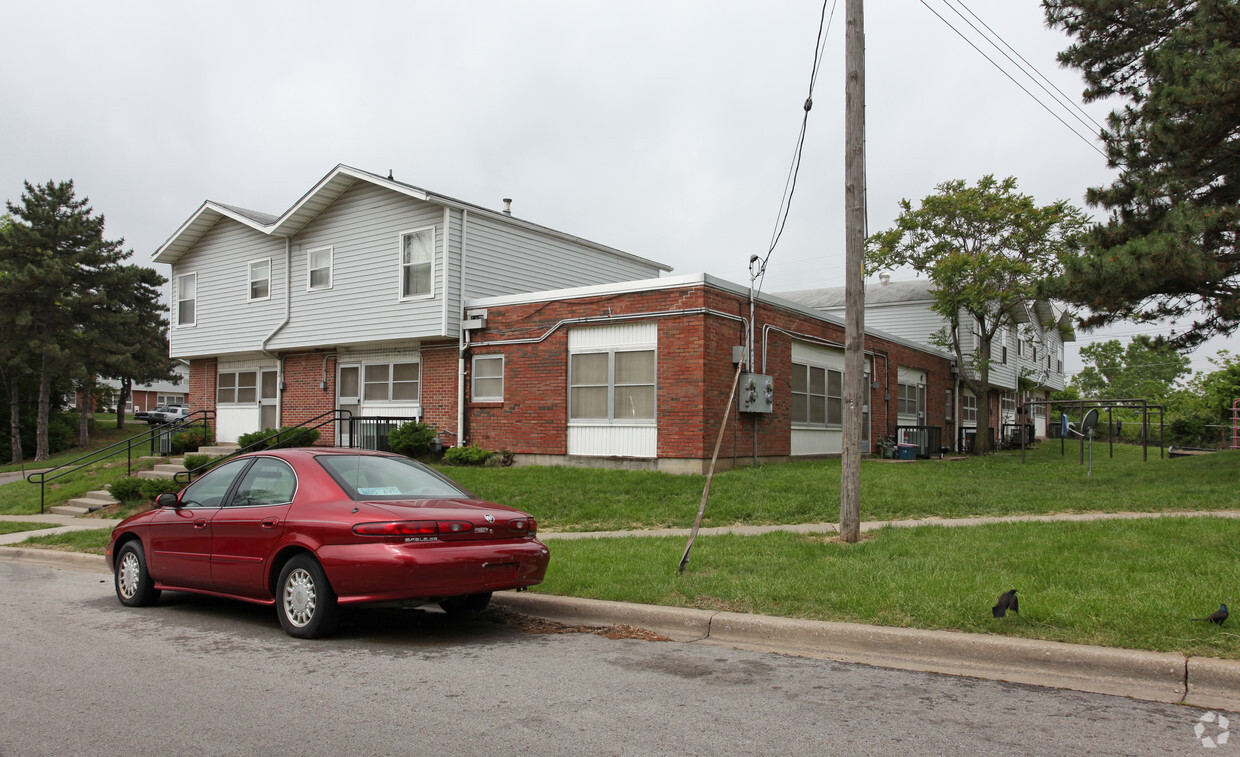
(200, 523)
(269, 522)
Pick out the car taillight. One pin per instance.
(525, 525)
(398, 528)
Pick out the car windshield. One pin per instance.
(381, 477)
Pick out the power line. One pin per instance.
(1044, 106)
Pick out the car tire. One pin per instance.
(466, 605)
(134, 587)
(305, 601)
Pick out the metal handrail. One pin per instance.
(149, 436)
(331, 416)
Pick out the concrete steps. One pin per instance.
(219, 450)
(88, 503)
(168, 469)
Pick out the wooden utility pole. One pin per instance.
(855, 389)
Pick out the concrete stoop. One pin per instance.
(173, 466)
(87, 503)
(218, 450)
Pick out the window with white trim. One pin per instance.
(391, 382)
(187, 299)
(319, 269)
(417, 262)
(968, 408)
(817, 395)
(488, 378)
(612, 385)
(911, 399)
(950, 402)
(1007, 405)
(260, 279)
(237, 388)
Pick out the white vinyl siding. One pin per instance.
(260, 279)
(488, 378)
(226, 321)
(613, 390)
(417, 263)
(187, 299)
(319, 269)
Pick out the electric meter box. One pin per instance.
(757, 393)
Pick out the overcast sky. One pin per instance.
(664, 128)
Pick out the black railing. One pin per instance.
(152, 436)
(283, 436)
(927, 438)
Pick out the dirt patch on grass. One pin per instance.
(530, 624)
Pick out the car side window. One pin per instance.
(209, 490)
(268, 482)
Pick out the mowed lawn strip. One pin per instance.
(13, 527)
(1118, 583)
(807, 491)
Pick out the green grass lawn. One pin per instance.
(13, 527)
(104, 435)
(576, 499)
(1119, 583)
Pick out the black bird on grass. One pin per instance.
(1217, 617)
(1007, 601)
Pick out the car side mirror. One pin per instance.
(167, 499)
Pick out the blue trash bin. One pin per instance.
(908, 451)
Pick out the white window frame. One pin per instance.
(252, 279)
(479, 396)
(611, 388)
(181, 298)
(400, 265)
(310, 268)
(968, 407)
(918, 399)
(236, 387)
(950, 409)
(808, 420)
(390, 383)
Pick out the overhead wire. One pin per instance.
(1044, 106)
(790, 184)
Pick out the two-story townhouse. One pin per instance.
(352, 298)
(1026, 359)
(376, 297)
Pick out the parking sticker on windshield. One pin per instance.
(377, 491)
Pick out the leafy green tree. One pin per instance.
(1169, 247)
(1144, 369)
(986, 248)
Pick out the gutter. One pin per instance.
(462, 334)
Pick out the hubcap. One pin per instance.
(299, 598)
(129, 576)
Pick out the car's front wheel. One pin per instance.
(134, 587)
(305, 601)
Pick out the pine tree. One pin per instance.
(1169, 246)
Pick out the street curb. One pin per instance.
(1213, 683)
(56, 559)
(1155, 676)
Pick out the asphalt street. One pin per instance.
(83, 675)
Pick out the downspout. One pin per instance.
(288, 311)
(462, 336)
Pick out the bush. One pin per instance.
(290, 436)
(191, 439)
(127, 489)
(466, 455)
(153, 487)
(196, 461)
(412, 439)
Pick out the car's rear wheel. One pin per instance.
(466, 605)
(305, 601)
(134, 587)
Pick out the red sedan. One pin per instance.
(312, 529)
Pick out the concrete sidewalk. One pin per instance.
(1156, 676)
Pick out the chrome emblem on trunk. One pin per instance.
(489, 518)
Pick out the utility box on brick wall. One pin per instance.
(757, 393)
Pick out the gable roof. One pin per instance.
(327, 191)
